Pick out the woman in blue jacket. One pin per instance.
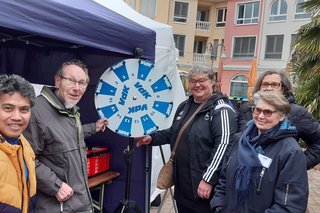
(266, 170)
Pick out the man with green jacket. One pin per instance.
(57, 136)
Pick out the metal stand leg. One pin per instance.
(126, 204)
(98, 205)
(147, 175)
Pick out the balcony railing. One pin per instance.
(203, 25)
(201, 58)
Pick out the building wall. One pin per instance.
(231, 66)
(188, 29)
(164, 11)
(286, 28)
(217, 32)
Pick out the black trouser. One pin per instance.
(184, 209)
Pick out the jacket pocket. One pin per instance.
(295, 195)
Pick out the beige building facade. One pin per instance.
(198, 27)
(237, 33)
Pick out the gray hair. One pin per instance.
(10, 84)
(285, 82)
(275, 99)
(76, 62)
(201, 70)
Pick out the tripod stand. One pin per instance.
(126, 204)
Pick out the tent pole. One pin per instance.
(147, 175)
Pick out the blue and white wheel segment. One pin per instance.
(135, 98)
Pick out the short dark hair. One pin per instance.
(285, 82)
(76, 62)
(15, 83)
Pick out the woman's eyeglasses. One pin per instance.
(200, 81)
(266, 112)
(273, 85)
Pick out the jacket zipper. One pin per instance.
(27, 182)
(260, 179)
(61, 206)
(22, 186)
(287, 192)
(229, 161)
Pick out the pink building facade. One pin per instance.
(242, 36)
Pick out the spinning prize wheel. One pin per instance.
(134, 97)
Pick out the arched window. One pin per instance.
(278, 10)
(300, 13)
(239, 86)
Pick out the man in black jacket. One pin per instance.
(308, 127)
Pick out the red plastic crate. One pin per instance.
(98, 160)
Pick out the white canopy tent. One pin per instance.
(165, 61)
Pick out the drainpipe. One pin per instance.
(263, 2)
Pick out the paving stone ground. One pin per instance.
(314, 190)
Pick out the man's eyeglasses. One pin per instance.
(266, 112)
(200, 81)
(71, 82)
(274, 85)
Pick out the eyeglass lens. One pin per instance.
(274, 85)
(74, 82)
(200, 81)
(266, 112)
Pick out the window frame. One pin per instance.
(243, 84)
(180, 18)
(300, 15)
(252, 19)
(177, 43)
(292, 40)
(243, 54)
(221, 23)
(274, 54)
(278, 17)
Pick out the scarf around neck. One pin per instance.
(249, 164)
(247, 173)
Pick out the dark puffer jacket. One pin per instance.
(308, 128)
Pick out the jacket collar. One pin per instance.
(212, 99)
(8, 148)
(49, 94)
(282, 130)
